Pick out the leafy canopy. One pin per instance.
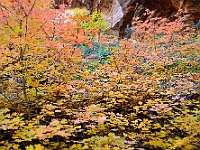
(64, 84)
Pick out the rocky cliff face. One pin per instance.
(119, 13)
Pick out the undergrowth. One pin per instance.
(66, 84)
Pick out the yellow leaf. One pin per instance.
(120, 96)
(111, 134)
(51, 113)
(30, 147)
(15, 146)
(140, 102)
(67, 96)
(125, 135)
(115, 148)
(121, 100)
(136, 108)
(39, 147)
(106, 147)
(157, 125)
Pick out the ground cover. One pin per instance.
(66, 83)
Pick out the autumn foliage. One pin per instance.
(66, 83)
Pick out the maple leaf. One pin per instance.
(77, 121)
(101, 119)
(63, 133)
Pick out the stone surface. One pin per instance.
(119, 13)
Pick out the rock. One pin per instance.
(119, 13)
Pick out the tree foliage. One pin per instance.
(63, 85)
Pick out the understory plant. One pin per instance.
(64, 84)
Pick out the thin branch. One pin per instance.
(5, 97)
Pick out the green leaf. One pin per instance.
(33, 91)
(54, 123)
(31, 133)
(179, 62)
(2, 111)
